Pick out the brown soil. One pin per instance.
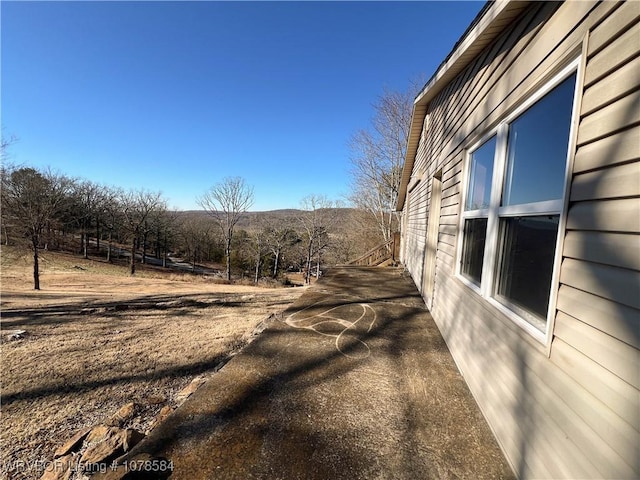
(97, 339)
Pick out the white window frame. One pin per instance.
(475, 214)
(540, 330)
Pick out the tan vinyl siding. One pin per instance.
(621, 181)
(617, 357)
(598, 321)
(616, 116)
(613, 26)
(607, 216)
(614, 283)
(615, 249)
(598, 154)
(421, 156)
(504, 376)
(416, 230)
(620, 83)
(525, 411)
(570, 409)
(623, 49)
(614, 319)
(619, 396)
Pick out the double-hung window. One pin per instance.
(514, 198)
(477, 210)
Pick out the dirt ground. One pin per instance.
(97, 339)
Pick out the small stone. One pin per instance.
(102, 451)
(130, 438)
(161, 417)
(189, 389)
(15, 334)
(125, 413)
(164, 412)
(98, 433)
(156, 399)
(59, 469)
(116, 443)
(73, 443)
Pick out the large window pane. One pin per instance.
(528, 249)
(479, 192)
(537, 149)
(475, 233)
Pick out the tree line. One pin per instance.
(47, 210)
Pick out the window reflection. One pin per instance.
(537, 149)
(481, 176)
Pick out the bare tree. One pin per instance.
(377, 156)
(315, 220)
(226, 202)
(258, 249)
(137, 206)
(279, 237)
(164, 224)
(195, 238)
(112, 215)
(32, 200)
(88, 197)
(5, 143)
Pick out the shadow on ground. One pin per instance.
(354, 381)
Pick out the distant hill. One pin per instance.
(253, 220)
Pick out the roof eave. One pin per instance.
(489, 23)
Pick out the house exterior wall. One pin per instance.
(568, 406)
(416, 228)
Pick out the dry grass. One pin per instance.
(97, 339)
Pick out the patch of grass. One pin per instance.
(97, 339)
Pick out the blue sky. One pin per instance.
(175, 96)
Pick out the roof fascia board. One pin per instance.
(476, 38)
(458, 58)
